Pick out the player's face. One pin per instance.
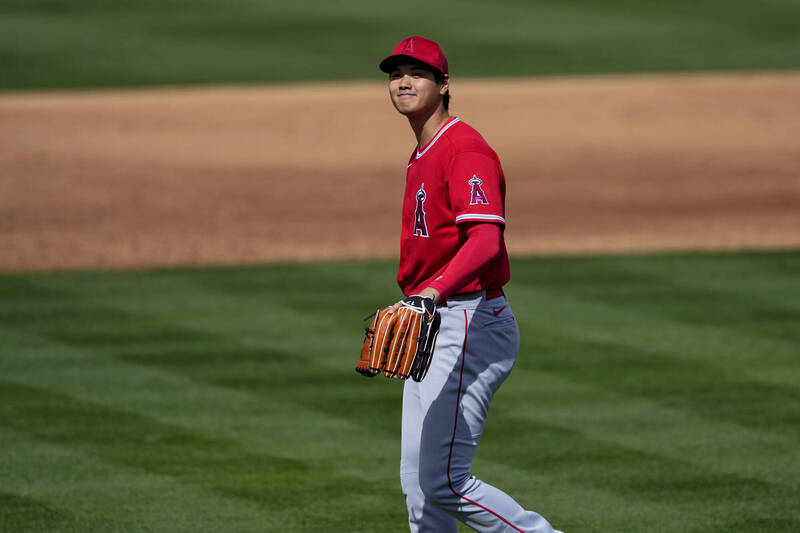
(414, 89)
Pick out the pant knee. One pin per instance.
(441, 489)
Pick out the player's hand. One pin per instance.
(427, 292)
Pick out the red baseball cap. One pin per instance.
(417, 48)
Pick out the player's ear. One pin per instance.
(444, 84)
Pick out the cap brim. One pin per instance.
(389, 62)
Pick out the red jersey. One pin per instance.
(454, 179)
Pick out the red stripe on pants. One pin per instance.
(455, 425)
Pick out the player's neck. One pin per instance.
(426, 127)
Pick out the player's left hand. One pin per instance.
(427, 292)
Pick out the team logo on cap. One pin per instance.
(408, 48)
(420, 227)
(478, 196)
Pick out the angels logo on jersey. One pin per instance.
(420, 227)
(478, 196)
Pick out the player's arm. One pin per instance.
(484, 242)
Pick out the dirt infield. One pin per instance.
(301, 172)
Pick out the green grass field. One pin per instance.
(96, 43)
(652, 393)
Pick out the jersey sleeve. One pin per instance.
(476, 188)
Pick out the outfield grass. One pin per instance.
(653, 393)
(96, 43)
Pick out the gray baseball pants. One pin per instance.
(443, 418)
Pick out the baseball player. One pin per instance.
(452, 250)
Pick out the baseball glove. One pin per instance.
(400, 345)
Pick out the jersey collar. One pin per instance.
(443, 129)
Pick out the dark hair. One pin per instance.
(439, 79)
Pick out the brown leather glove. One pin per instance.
(400, 345)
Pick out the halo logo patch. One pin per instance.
(478, 196)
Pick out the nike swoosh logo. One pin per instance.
(498, 311)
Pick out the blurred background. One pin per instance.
(79, 44)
